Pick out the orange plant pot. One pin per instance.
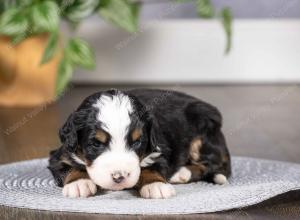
(23, 81)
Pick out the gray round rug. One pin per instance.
(29, 184)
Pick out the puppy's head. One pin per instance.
(108, 134)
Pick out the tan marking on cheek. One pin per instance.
(88, 163)
(75, 175)
(195, 146)
(101, 136)
(136, 134)
(81, 156)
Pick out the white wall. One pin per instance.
(240, 8)
(191, 51)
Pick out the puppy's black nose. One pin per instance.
(117, 177)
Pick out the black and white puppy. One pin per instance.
(144, 139)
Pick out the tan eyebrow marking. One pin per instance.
(136, 134)
(101, 136)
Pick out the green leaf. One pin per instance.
(1, 7)
(13, 22)
(80, 9)
(45, 16)
(205, 8)
(22, 3)
(227, 24)
(79, 52)
(18, 38)
(64, 75)
(9, 4)
(64, 4)
(123, 13)
(50, 48)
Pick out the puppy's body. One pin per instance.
(172, 136)
(189, 132)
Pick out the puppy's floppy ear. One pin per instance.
(68, 134)
(156, 139)
(143, 112)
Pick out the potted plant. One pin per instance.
(37, 62)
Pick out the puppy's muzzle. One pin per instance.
(120, 176)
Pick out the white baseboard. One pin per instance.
(192, 51)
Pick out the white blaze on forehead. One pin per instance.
(114, 113)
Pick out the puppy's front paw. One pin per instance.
(157, 190)
(80, 188)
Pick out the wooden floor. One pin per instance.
(259, 121)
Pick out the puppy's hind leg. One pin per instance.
(183, 175)
(220, 179)
(188, 173)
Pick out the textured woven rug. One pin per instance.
(29, 184)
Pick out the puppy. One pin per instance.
(143, 139)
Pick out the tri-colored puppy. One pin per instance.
(141, 138)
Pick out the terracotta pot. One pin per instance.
(23, 81)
